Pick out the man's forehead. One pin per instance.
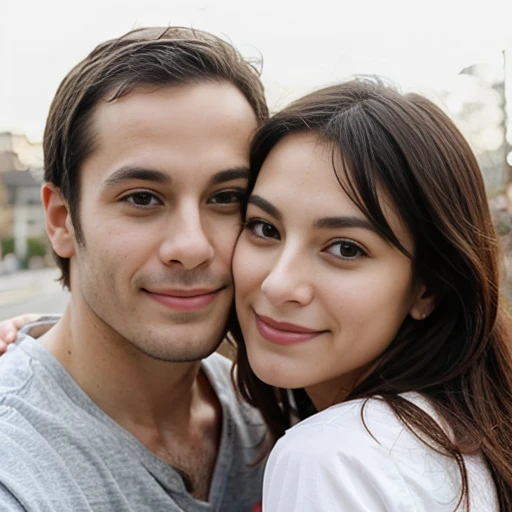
(205, 104)
(172, 132)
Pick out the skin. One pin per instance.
(10, 327)
(340, 280)
(160, 215)
(337, 278)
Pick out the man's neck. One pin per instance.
(130, 386)
(171, 408)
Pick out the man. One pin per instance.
(146, 165)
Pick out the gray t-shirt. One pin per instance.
(60, 452)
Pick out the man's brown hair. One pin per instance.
(157, 56)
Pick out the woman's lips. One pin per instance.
(284, 333)
(184, 300)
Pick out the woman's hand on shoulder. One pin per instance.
(9, 328)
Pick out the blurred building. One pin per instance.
(21, 211)
(477, 101)
(29, 154)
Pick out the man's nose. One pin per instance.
(186, 243)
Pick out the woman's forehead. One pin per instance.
(305, 175)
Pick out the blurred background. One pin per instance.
(457, 54)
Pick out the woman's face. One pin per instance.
(319, 293)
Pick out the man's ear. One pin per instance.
(58, 221)
(423, 304)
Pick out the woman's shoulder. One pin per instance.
(365, 437)
(357, 430)
(366, 428)
(370, 419)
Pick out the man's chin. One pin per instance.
(188, 354)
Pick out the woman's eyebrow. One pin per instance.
(264, 205)
(343, 222)
(348, 221)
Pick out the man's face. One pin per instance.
(160, 214)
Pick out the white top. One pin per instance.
(330, 462)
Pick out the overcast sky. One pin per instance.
(420, 45)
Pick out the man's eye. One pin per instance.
(227, 197)
(142, 199)
(262, 229)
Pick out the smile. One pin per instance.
(184, 300)
(283, 333)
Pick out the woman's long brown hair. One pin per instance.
(460, 356)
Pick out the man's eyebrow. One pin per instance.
(129, 172)
(343, 222)
(264, 205)
(229, 175)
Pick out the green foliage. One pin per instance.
(502, 227)
(7, 245)
(35, 247)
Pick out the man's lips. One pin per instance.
(284, 333)
(184, 299)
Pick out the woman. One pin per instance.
(367, 274)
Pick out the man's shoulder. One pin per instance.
(218, 370)
(39, 405)
(28, 372)
(30, 467)
(16, 370)
(216, 360)
(32, 474)
(244, 416)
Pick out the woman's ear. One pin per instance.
(423, 304)
(58, 221)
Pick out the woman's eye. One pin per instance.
(262, 229)
(346, 250)
(142, 199)
(227, 197)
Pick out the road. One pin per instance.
(34, 291)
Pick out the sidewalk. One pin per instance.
(24, 284)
